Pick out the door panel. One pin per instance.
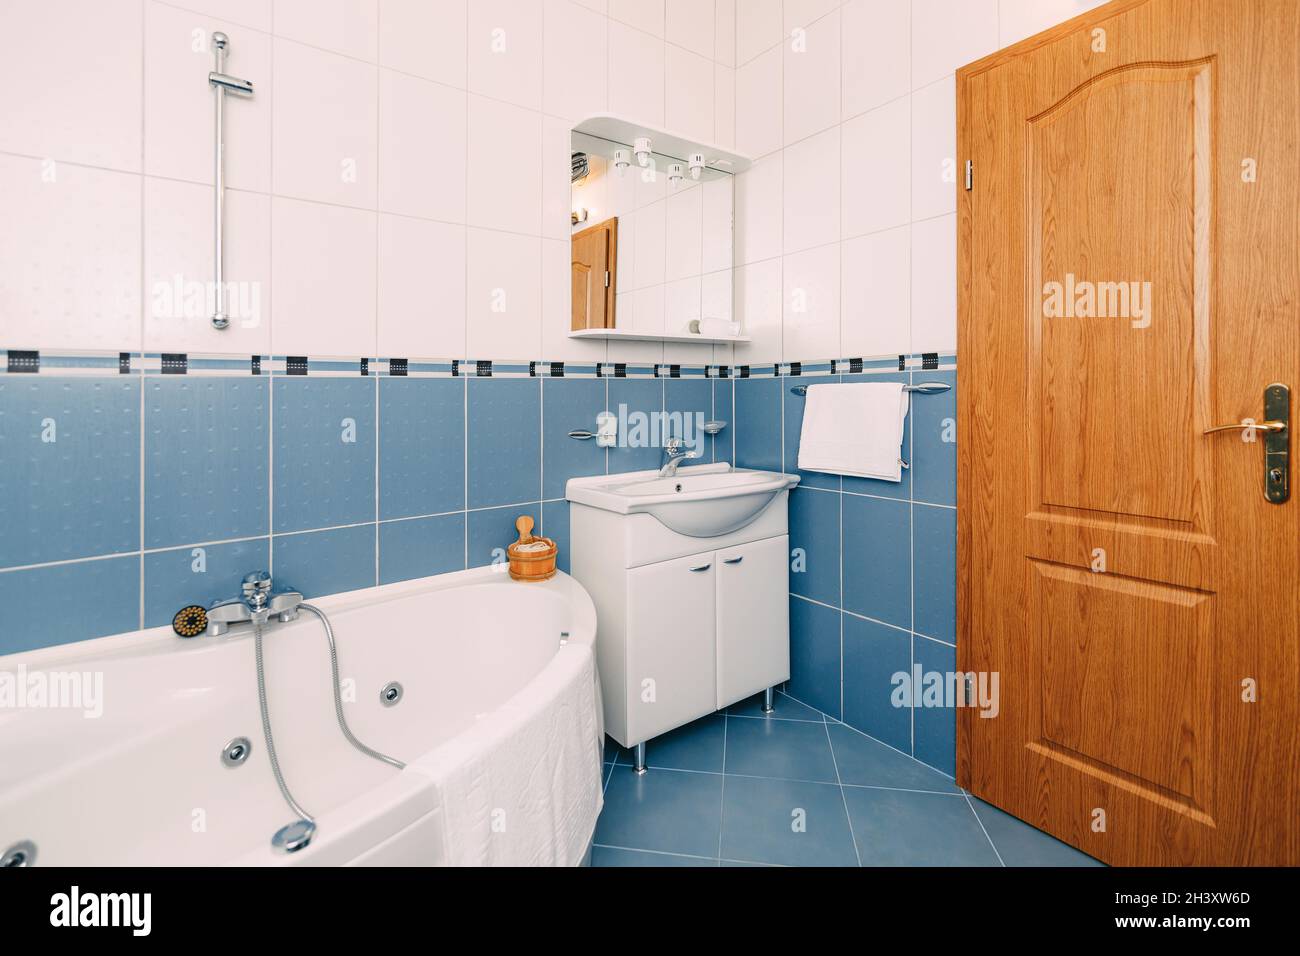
(753, 618)
(1127, 280)
(671, 665)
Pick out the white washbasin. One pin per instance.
(701, 501)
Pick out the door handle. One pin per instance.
(1277, 441)
(734, 560)
(702, 567)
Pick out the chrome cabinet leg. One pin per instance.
(638, 761)
(768, 706)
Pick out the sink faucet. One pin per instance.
(674, 456)
(257, 603)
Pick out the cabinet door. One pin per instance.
(753, 618)
(671, 661)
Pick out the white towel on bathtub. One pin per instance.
(525, 790)
(854, 428)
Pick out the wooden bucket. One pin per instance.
(532, 558)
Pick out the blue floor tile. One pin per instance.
(614, 856)
(784, 707)
(1020, 844)
(785, 821)
(697, 746)
(668, 810)
(904, 828)
(869, 763)
(788, 749)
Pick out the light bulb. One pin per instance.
(697, 165)
(643, 148)
(674, 173)
(621, 161)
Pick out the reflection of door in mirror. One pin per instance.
(595, 260)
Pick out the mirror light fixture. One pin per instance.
(674, 174)
(643, 148)
(697, 165)
(621, 161)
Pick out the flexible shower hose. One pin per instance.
(294, 805)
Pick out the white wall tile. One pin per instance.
(717, 294)
(324, 278)
(503, 296)
(684, 220)
(324, 120)
(636, 75)
(934, 149)
(759, 101)
(645, 15)
(600, 6)
(877, 169)
(875, 317)
(724, 32)
(812, 78)
(247, 13)
(690, 24)
(724, 107)
(758, 28)
(877, 45)
(759, 210)
(178, 105)
(647, 311)
(504, 193)
(758, 307)
(947, 34)
(421, 289)
(425, 38)
(178, 270)
(1023, 18)
(575, 80)
(651, 252)
(681, 305)
(934, 285)
(69, 256)
(718, 248)
(505, 50)
(811, 304)
(71, 72)
(557, 172)
(803, 13)
(812, 191)
(688, 94)
(422, 142)
(350, 27)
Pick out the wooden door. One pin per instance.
(1120, 570)
(595, 257)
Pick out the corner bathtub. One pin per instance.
(144, 783)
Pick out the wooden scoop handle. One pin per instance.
(524, 524)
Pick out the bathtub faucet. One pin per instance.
(256, 604)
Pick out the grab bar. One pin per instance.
(925, 388)
(222, 84)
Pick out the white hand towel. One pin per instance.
(854, 429)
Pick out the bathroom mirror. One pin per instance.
(652, 242)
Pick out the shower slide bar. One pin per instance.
(221, 83)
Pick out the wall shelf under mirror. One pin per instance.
(653, 247)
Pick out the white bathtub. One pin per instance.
(144, 783)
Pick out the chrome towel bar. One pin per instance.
(925, 388)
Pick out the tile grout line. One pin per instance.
(830, 745)
(983, 829)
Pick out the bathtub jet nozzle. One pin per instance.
(294, 837)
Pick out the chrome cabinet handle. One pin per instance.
(734, 560)
(702, 567)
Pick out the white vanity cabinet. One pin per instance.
(686, 625)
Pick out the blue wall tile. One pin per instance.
(815, 655)
(325, 562)
(878, 559)
(321, 480)
(758, 423)
(505, 441)
(180, 577)
(935, 727)
(724, 410)
(935, 571)
(872, 486)
(794, 407)
(555, 525)
(207, 459)
(490, 531)
(570, 404)
(692, 400)
(418, 547)
(635, 397)
(934, 460)
(76, 495)
(421, 446)
(873, 653)
(69, 602)
(815, 529)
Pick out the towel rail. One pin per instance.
(924, 388)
